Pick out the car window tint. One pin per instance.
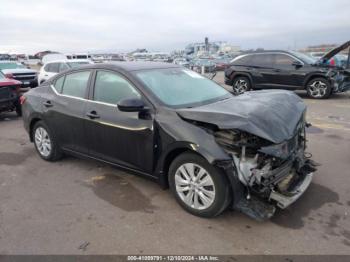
(263, 60)
(281, 59)
(54, 68)
(111, 88)
(76, 84)
(245, 60)
(63, 66)
(47, 68)
(59, 84)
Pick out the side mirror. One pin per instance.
(131, 105)
(297, 64)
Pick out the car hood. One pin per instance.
(9, 82)
(272, 115)
(334, 51)
(18, 71)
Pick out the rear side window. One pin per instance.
(63, 66)
(245, 60)
(59, 84)
(75, 84)
(52, 68)
(111, 88)
(263, 60)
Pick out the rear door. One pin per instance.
(124, 138)
(263, 72)
(64, 109)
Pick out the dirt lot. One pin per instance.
(81, 207)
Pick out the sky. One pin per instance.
(30, 26)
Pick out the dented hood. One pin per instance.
(269, 114)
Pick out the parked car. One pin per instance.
(10, 95)
(288, 70)
(179, 128)
(221, 63)
(182, 62)
(19, 72)
(52, 68)
(339, 60)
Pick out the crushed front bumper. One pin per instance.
(283, 201)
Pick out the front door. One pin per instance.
(123, 138)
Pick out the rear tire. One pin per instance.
(318, 88)
(240, 85)
(205, 193)
(45, 143)
(18, 109)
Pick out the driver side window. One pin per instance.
(111, 88)
(283, 60)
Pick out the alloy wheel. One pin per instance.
(195, 186)
(42, 141)
(318, 89)
(240, 86)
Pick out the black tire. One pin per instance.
(318, 88)
(241, 84)
(55, 153)
(18, 109)
(222, 188)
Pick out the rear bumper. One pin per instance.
(284, 201)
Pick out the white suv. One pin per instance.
(54, 67)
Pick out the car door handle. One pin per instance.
(92, 115)
(48, 104)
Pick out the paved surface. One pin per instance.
(81, 207)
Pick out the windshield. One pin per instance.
(76, 64)
(178, 87)
(10, 66)
(304, 57)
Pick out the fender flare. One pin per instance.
(236, 74)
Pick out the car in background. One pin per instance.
(174, 126)
(181, 61)
(222, 63)
(199, 63)
(10, 95)
(339, 60)
(288, 70)
(19, 72)
(52, 68)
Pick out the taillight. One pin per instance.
(22, 99)
(9, 75)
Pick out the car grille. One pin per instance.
(24, 76)
(5, 94)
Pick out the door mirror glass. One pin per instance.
(297, 64)
(131, 105)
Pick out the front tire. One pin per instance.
(318, 88)
(240, 85)
(200, 188)
(45, 143)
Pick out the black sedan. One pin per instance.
(171, 124)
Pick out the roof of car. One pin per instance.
(265, 51)
(132, 66)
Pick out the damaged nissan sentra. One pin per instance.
(163, 121)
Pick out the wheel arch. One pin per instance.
(238, 74)
(174, 151)
(33, 121)
(313, 76)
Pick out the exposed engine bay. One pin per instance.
(274, 172)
